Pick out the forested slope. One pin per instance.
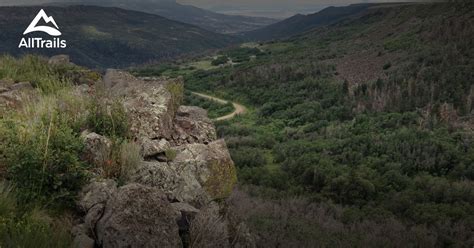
(372, 114)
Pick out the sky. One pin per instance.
(269, 8)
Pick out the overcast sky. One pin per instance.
(270, 8)
(277, 2)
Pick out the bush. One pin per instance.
(43, 159)
(248, 157)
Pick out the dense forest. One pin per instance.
(367, 121)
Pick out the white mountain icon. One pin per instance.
(49, 30)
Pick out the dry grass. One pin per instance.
(130, 158)
(208, 229)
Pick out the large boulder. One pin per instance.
(197, 174)
(92, 201)
(150, 104)
(130, 216)
(138, 216)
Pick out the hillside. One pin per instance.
(92, 160)
(302, 23)
(172, 10)
(110, 37)
(368, 121)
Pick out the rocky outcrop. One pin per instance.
(184, 169)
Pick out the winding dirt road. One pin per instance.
(239, 109)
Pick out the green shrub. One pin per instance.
(42, 159)
(248, 157)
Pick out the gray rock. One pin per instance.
(15, 95)
(152, 148)
(81, 237)
(181, 207)
(93, 216)
(199, 173)
(150, 104)
(83, 241)
(97, 148)
(59, 60)
(185, 213)
(180, 183)
(3, 89)
(138, 216)
(96, 192)
(81, 90)
(192, 125)
(21, 86)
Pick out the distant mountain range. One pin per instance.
(170, 9)
(303, 23)
(109, 37)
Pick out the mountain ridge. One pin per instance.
(206, 19)
(94, 34)
(300, 23)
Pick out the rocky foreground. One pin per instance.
(174, 194)
(185, 169)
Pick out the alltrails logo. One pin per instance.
(40, 42)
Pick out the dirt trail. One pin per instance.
(239, 109)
